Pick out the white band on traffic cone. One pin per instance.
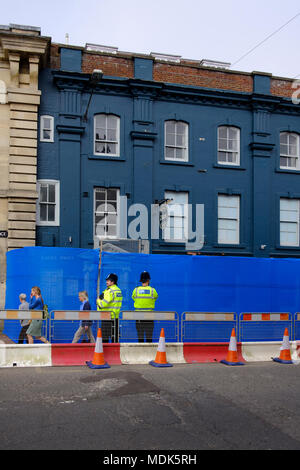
(232, 344)
(99, 346)
(285, 343)
(161, 344)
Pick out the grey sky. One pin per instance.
(193, 29)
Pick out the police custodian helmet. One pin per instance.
(145, 276)
(112, 277)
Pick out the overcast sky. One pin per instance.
(194, 29)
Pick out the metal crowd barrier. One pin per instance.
(265, 326)
(201, 327)
(135, 326)
(63, 325)
(145, 326)
(13, 326)
(297, 326)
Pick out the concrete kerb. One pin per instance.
(265, 351)
(143, 353)
(77, 354)
(41, 355)
(25, 355)
(295, 351)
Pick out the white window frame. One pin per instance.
(50, 129)
(287, 218)
(178, 211)
(185, 147)
(228, 217)
(117, 234)
(227, 150)
(56, 220)
(105, 141)
(289, 156)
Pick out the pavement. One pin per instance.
(186, 407)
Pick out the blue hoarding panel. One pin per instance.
(183, 283)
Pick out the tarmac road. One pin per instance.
(186, 407)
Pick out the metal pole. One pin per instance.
(88, 105)
(99, 269)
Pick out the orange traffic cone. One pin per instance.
(161, 356)
(98, 360)
(232, 355)
(285, 350)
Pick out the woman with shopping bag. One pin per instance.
(35, 327)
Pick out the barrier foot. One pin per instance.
(93, 366)
(281, 361)
(156, 364)
(223, 361)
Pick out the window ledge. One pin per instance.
(103, 157)
(229, 167)
(174, 162)
(281, 170)
(169, 243)
(47, 224)
(284, 255)
(230, 245)
(292, 248)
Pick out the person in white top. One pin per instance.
(24, 305)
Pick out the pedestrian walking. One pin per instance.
(111, 301)
(85, 327)
(144, 298)
(35, 327)
(24, 305)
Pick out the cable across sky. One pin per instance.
(266, 39)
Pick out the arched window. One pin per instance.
(176, 141)
(107, 135)
(289, 151)
(228, 145)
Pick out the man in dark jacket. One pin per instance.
(85, 325)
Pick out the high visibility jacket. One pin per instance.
(112, 301)
(144, 298)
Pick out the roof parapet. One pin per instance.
(101, 48)
(21, 29)
(215, 63)
(166, 57)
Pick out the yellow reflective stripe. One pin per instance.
(142, 309)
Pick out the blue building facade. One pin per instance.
(107, 145)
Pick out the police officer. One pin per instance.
(110, 301)
(144, 298)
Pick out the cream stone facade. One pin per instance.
(22, 52)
